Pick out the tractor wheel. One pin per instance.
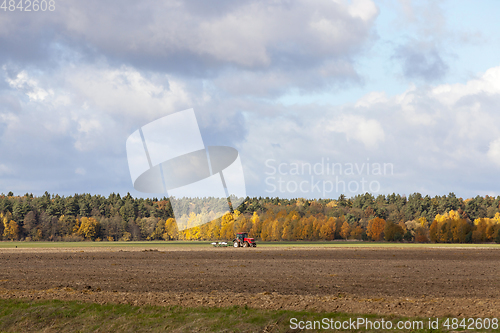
(255, 245)
(236, 244)
(245, 244)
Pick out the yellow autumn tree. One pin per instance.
(345, 231)
(193, 230)
(277, 229)
(316, 226)
(227, 226)
(423, 222)
(327, 230)
(449, 227)
(266, 231)
(308, 227)
(293, 215)
(434, 231)
(170, 230)
(245, 224)
(89, 227)
(287, 230)
(11, 229)
(76, 227)
(256, 226)
(479, 234)
(214, 230)
(193, 233)
(356, 232)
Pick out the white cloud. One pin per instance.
(274, 83)
(126, 91)
(29, 86)
(488, 83)
(367, 131)
(494, 151)
(246, 34)
(285, 40)
(364, 9)
(372, 98)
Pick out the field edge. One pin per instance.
(69, 316)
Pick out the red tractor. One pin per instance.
(243, 240)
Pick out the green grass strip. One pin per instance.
(73, 316)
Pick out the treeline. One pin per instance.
(364, 217)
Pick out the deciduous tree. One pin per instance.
(345, 230)
(89, 228)
(376, 228)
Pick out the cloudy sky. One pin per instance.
(410, 85)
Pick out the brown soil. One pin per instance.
(411, 282)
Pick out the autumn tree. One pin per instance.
(171, 231)
(345, 230)
(193, 233)
(10, 228)
(214, 230)
(159, 230)
(421, 235)
(89, 228)
(147, 226)
(327, 230)
(266, 230)
(277, 229)
(227, 226)
(308, 228)
(393, 232)
(243, 224)
(256, 228)
(356, 232)
(451, 227)
(434, 232)
(287, 230)
(66, 223)
(486, 228)
(376, 228)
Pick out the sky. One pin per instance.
(319, 97)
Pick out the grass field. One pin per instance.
(201, 244)
(72, 316)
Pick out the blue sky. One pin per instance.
(361, 83)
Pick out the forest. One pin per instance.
(392, 218)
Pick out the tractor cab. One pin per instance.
(242, 235)
(243, 240)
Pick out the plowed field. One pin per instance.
(412, 282)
